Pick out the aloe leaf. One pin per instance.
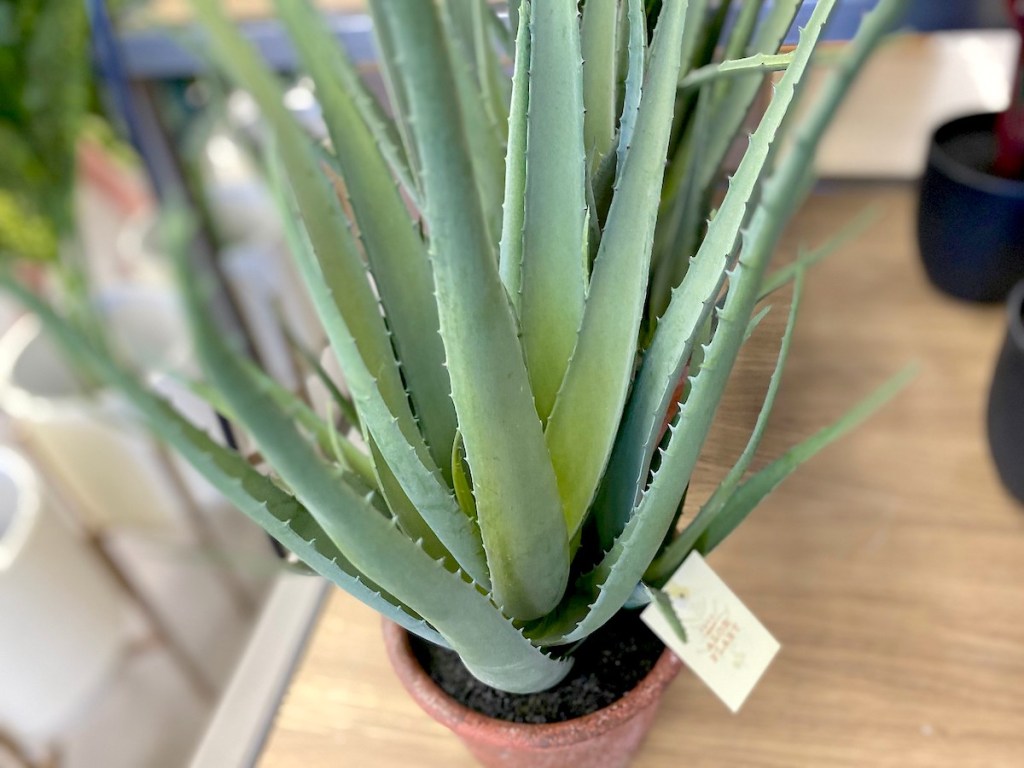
(732, 103)
(758, 64)
(335, 277)
(276, 511)
(396, 253)
(318, 207)
(554, 281)
(404, 511)
(680, 547)
(388, 59)
(510, 258)
(599, 594)
(691, 301)
(516, 495)
(494, 86)
(597, 42)
(326, 436)
(853, 229)
(681, 225)
(403, 449)
(488, 643)
(583, 424)
(750, 493)
(484, 136)
(345, 405)
(743, 29)
(637, 57)
(461, 480)
(755, 322)
(337, 70)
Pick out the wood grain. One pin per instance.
(891, 567)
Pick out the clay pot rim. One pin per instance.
(940, 160)
(462, 720)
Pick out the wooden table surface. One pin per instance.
(891, 567)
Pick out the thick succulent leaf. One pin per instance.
(674, 554)
(732, 103)
(748, 495)
(488, 643)
(682, 222)
(494, 85)
(758, 64)
(403, 449)
(743, 29)
(691, 301)
(637, 58)
(599, 594)
(461, 479)
(584, 422)
(554, 280)
(597, 42)
(517, 504)
(404, 511)
(484, 135)
(335, 276)
(510, 257)
(389, 61)
(276, 511)
(326, 226)
(396, 252)
(336, 68)
(326, 437)
(312, 361)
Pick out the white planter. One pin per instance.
(92, 442)
(61, 624)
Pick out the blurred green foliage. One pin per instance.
(44, 96)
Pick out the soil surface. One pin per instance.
(608, 664)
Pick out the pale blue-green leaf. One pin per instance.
(674, 554)
(742, 29)
(597, 42)
(620, 570)
(484, 136)
(494, 85)
(691, 301)
(589, 406)
(733, 102)
(518, 510)
(511, 247)
(637, 58)
(397, 255)
(398, 439)
(554, 284)
(758, 64)
(334, 274)
(488, 643)
(276, 511)
(388, 60)
(312, 361)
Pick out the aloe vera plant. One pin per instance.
(515, 287)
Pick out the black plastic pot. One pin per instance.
(1006, 400)
(970, 223)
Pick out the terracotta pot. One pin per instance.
(607, 738)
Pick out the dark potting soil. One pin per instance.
(608, 665)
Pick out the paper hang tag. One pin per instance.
(725, 645)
